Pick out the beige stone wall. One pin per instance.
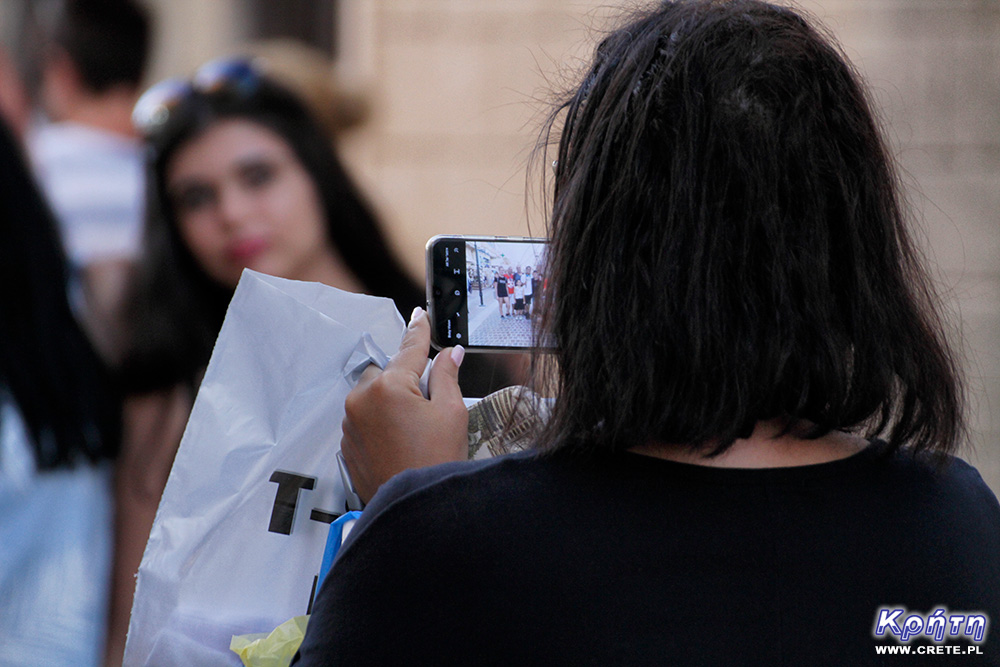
(188, 33)
(934, 66)
(457, 88)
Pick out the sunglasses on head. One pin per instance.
(165, 101)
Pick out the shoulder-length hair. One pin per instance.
(176, 309)
(47, 365)
(729, 245)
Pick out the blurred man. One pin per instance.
(87, 157)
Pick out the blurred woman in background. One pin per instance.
(240, 176)
(59, 428)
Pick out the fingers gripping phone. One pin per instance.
(484, 292)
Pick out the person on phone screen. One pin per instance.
(537, 285)
(509, 275)
(749, 459)
(528, 291)
(502, 301)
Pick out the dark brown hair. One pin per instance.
(729, 244)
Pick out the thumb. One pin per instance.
(415, 346)
(442, 385)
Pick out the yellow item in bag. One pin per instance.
(271, 650)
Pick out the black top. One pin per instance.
(630, 560)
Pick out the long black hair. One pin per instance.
(176, 309)
(47, 365)
(729, 244)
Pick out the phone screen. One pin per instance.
(485, 292)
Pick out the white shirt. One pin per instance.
(94, 182)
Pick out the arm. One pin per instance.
(153, 426)
(389, 426)
(104, 285)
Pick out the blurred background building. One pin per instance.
(439, 102)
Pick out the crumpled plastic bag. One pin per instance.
(271, 650)
(240, 532)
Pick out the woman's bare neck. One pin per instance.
(328, 268)
(767, 447)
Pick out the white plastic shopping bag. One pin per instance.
(240, 532)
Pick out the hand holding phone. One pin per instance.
(390, 425)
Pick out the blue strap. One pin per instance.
(334, 540)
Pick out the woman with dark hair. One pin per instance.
(748, 460)
(240, 176)
(59, 427)
(186, 279)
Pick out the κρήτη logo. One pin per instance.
(937, 625)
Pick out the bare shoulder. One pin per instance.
(152, 415)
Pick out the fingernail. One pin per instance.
(457, 354)
(415, 316)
